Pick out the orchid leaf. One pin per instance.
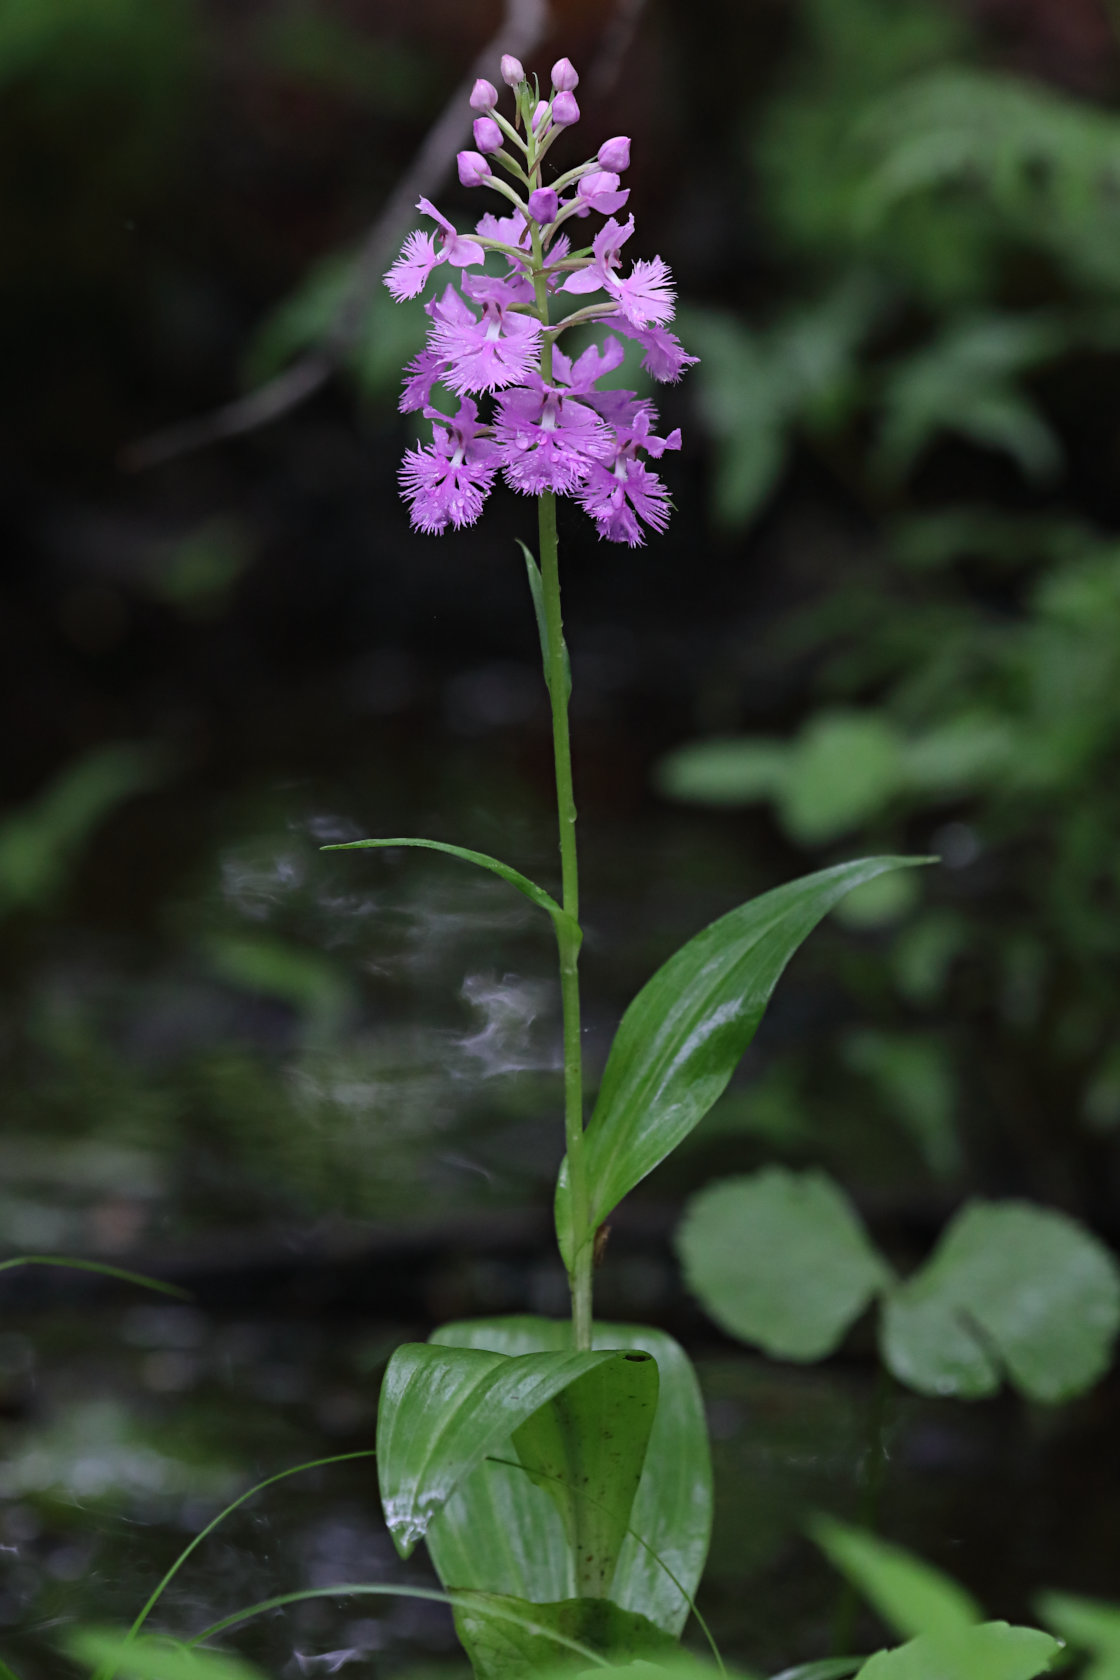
(780, 1259)
(1011, 1288)
(501, 1649)
(501, 1532)
(683, 1035)
(535, 894)
(991, 1651)
(909, 1594)
(536, 590)
(442, 1410)
(586, 1450)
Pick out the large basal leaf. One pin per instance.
(1010, 1288)
(991, 1651)
(780, 1259)
(586, 1450)
(502, 1649)
(443, 1409)
(910, 1595)
(683, 1035)
(501, 1533)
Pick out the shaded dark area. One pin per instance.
(321, 1091)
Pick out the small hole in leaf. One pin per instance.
(638, 1358)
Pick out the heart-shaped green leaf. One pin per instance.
(683, 1035)
(443, 1409)
(501, 1533)
(1010, 1287)
(501, 1649)
(781, 1259)
(991, 1651)
(586, 1450)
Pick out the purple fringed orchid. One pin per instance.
(553, 429)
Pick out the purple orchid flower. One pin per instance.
(421, 253)
(554, 428)
(448, 483)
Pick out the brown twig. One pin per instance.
(523, 26)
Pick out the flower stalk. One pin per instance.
(554, 431)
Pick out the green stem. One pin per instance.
(568, 934)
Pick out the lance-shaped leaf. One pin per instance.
(536, 895)
(501, 1649)
(501, 1533)
(781, 1259)
(1010, 1288)
(683, 1035)
(586, 1450)
(442, 1410)
(909, 1594)
(1087, 1625)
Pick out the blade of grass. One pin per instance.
(95, 1266)
(375, 1590)
(154, 1597)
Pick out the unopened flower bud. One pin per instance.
(473, 169)
(513, 73)
(484, 96)
(487, 134)
(565, 111)
(543, 205)
(564, 78)
(615, 154)
(539, 115)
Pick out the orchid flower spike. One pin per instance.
(555, 427)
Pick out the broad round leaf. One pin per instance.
(502, 1649)
(442, 1409)
(1011, 1285)
(780, 1259)
(991, 1651)
(846, 768)
(501, 1533)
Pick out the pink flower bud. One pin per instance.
(539, 115)
(565, 111)
(543, 205)
(484, 96)
(513, 72)
(615, 154)
(487, 134)
(564, 78)
(473, 169)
